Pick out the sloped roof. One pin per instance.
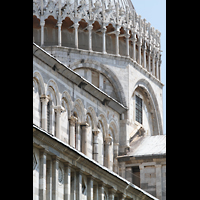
(148, 146)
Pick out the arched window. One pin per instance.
(51, 114)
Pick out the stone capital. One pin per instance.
(72, 120)
(44, 98)
(96, 131)
(108, 140)
(84, 124)
(59, 109)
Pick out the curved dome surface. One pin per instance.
(122, 3)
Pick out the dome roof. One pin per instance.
(108, 3)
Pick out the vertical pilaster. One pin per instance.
(101, 191)
(44, 99)
(104, 39)
(55, 164)
(89, 188)
(73, 185)
(49, 180)
(42, 175)
(96, 191)
(67, 182)
(78, 185)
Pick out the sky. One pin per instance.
(154, 11)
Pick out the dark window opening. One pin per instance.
(138, 107)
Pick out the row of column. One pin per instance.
(48, 182)
(152, 52)
(84, 131)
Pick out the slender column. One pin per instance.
(158, 182)
(144, 54)
(159, 65)
(134, 39)
(78, 185)
(157, 61)
(44, 99)
(42, 23)
(58, 110)
(127, 42)
(59, 34)
(84, 132)
(108, 142)
(104, 39)
(76, 25)
(42, 175)
(149, 59)
(95, 151)
(153, 62)
(55, 164)
(117, 32)
(72, 121)
(49, 180)
(67, 182)
(89, 187)
(90, 27)
(139, 50)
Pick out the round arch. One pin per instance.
(113, 126)
(52, 84)
(92, 113)
(109, 74)
(68, 100)
(149, 92)
(102, 118)
(39, 79)
(78, 105)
